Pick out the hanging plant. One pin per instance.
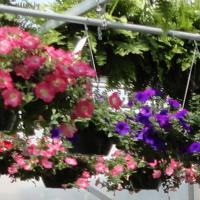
(37, 81)
(160, 144)
(32, 157)
(125, 171)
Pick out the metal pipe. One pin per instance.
(98, 22)
(77, 10)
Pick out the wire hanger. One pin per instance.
(196, 50)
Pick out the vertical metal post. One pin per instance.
(191, 192)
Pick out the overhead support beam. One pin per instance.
(98, 22)
(77, 10)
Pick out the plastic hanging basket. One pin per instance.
(62, 178)
(91, 141)
(142, 180)
(65, 177)
(8, 120)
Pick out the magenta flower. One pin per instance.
(115, 101)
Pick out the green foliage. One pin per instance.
(137, 59)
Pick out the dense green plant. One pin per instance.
(137, 59)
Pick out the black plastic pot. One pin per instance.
(91, 141)
(61, 179)
(141, 180)
(8, 120)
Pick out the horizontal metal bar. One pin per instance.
(78, 9)
(98, 22)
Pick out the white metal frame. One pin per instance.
(98, 22)
(77, 10)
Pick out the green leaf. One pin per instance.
(124, 48)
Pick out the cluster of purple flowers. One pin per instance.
(155, 122)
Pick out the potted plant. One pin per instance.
(31, 158)
(37, 80)
(157, 134)
(133, 173)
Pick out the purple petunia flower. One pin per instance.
(142, 119)
(181, 113)
(130, 103)
(163, 120)
(55, 133)
(194, 147)
(122, 128)
(141, 133)
(164, 112)
(146, 111)
(141, 97)
(159, 144)
(149, 137)
(173, 103)
(185, 125)
(150, 92)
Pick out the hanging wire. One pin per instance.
(189, 75)
(91, 53)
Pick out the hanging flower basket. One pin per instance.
(37, 80)
(65, 178)
(61, 178)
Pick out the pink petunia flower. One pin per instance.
(62, 68)
(153, 164)
(82, 183)
(27, 167)
(32, 150)
(58, 83)
(19, 159)
(190, 175)
(100, 167)
(81, 68)
(30, 42)
(118, 169)
(12, 97)
(44, 92)
(34, 62)
(24, 71)
(156, 174)
(115, 101)
(46, 163)
(5, 47)
(169, 171)
(5, 80)
(86, 174)
(12, 169)
(84, 108)
(67, 130)
(131, 164)
(71, 161)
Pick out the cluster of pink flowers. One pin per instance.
(58, 68)
(44, 155)
(122, 165)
